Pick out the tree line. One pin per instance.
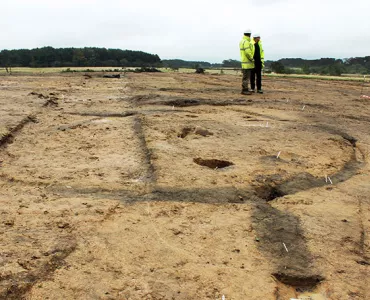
(102, 57)
(179, 63)
(323, 66)
(77, 57)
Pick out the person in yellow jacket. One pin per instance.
(246, 47)
(259, 64)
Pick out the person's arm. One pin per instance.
(262, 56)
(249, 51)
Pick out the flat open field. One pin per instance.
(175, 186)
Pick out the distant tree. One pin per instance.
(124, 62)
(179, 63)
(332, 70)
(277, 67)
(306, 69)
(78, 58)
(231, 63)
(74, 57)
(335, 70)
(357, 69)
(289, 71)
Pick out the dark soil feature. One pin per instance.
(305, 282)
(185, 132)
(278, 185)
(105, 114)
(9, 137)
(144, 99)
(269, 192)
(275, 185)
(14, 287)
(195, 102)
(201, 195)
(117, 76)
(357, 118)
(348, 171)
(203, 132)
(300, 182)
(178, 90)
(363, 262)
(39, 95)
(274, 229)
(138, 129)
(336, 131)
(198, 131)
(183, 102)
(52, 102)
(213, 163)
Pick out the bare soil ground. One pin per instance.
(175, 186)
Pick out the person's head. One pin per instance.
(256, 37)
(247, 32)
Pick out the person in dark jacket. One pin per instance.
(259, 64)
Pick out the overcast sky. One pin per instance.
(208, 30)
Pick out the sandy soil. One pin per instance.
(175, 186)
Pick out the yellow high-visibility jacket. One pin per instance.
(262, 52)
(246, 47)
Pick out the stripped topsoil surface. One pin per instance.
(175, 186)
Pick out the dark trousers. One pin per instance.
(246, 78)
(256, 76)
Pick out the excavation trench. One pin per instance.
(281, 239)
(273, 188)
(280, 235)
(9, 136)
(184, 102)
(123, 114)
(139, 131)
(15, 287)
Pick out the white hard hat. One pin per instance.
(256, 35)
(248, 31)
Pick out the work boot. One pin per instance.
(246, 92)
(259, 91)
